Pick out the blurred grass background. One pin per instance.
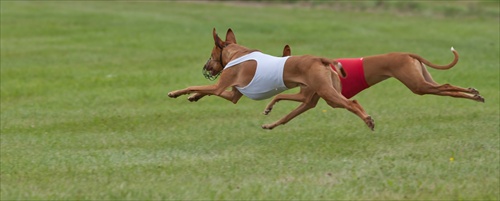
(84, 112)
(448, 9)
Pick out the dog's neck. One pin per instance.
(233, 51)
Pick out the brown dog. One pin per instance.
(242, 70)
(406, 67)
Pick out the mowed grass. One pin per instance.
(85, 116)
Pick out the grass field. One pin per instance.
(85, 116)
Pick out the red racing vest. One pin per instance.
(355, 81)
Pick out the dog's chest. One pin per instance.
(268, 78)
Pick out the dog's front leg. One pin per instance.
(196, 96)
(234, 95)
(207, 90)
(200, 91)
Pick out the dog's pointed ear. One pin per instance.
(287, 51)
(218, 42)
(230, 38)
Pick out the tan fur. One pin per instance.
(405, 67)
(312, 74)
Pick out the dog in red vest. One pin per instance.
(361, 73)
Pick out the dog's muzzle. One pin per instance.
(208, 73)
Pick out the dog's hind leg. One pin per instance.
(322, 83)
(416, 77)
(299, 97)
(445, 87)
(336, 100)
(445, 90)
(425, 73)
(310, 102)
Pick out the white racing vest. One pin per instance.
(268, 78)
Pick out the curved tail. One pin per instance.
(435, 66)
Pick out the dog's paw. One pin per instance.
(268, 126)
(370, 123)
(193, 98)
(267, 111)
(479, 98)
(172, 95)
(474, 91)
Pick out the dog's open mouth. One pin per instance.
(210, 74)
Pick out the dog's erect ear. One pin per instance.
(218, 42)
(230, 38)
(287, 51)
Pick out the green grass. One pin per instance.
(85, 116)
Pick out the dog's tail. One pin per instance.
(335, 65)
(435, 66)
(340, 69)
